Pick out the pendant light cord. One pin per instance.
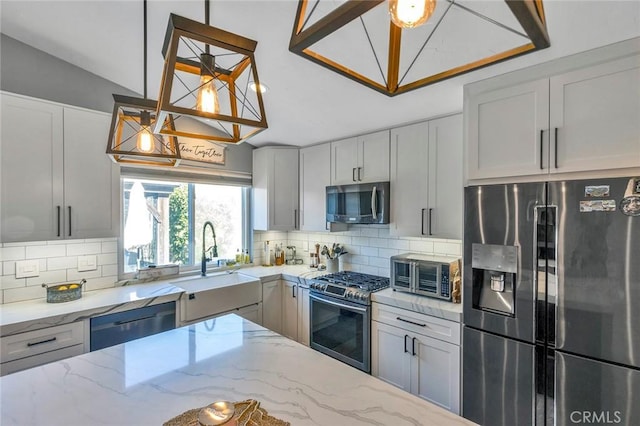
(206, 21)
(144, 26)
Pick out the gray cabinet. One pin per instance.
(360, 159)
(57, 182)
(275, 189)
(577, 121)
(290, 309)
(315, 165)
(596, 112)
(426, 179)
(303, 315)
(418, 353)
(272, 305)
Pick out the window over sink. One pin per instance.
(163, 222)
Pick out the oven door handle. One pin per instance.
(338, 304)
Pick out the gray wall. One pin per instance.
(32, 72)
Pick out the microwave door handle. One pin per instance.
(374, 203)
(414, 276)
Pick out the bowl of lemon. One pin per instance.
(64, 292)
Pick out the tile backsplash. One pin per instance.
(58, 263)
(369, 247)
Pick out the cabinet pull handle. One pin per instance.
(422, 222)
(53, 339)
(405, 343)
(411, 322)
(555, 148)
(293, 291)
(359, 178)
(135, 319)
(353, 174)
(541, 149)
(430, 214)
(295, 218)
(413, 346)
(58, 209)
(69, 220)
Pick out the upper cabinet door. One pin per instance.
(285, 190)
(444, 215)
(409, 159)
(344, 161)
(275, 189)
(91, 179)
(505, 131)
(596, 112)
(373, 155)
(31, 170)
(314, 178)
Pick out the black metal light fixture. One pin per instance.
(206, 78)
(131, 137)
(403, 45)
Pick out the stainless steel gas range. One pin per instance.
(340, 316)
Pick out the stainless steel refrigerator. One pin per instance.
(551, 303)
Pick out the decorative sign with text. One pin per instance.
(201, 150)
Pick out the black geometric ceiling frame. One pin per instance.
(529, 13)
(180, 29)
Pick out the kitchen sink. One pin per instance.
(209, 296)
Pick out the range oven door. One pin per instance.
(340, 329)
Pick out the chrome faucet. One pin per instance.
(214, 252)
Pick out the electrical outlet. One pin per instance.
(27, 268)
(87, 263)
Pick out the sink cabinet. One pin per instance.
(57, 182)
(212, 296)
(418, 353)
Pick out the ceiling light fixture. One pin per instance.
(205, 80)
(411, 13)
(460, 37)
(131, 138)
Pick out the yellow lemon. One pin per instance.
(62, 288)
(72, 286)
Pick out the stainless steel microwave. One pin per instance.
(431, 276)
(358, 203)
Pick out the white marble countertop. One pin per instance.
(151, 380)
(425, 305)
(34, 314)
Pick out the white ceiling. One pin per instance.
(306, 103)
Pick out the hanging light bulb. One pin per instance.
(145, 137)
(411, 13)
(207, 93)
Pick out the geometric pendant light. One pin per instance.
(131, 136)
(206, 83)
(396, 46)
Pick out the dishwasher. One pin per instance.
(113, 329)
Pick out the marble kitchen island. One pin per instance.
(151, 380)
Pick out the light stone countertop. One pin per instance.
(149, 381)
(425, 305)
(35, 314)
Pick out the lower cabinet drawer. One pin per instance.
(427, 325)
(36, 360)
(40, 341)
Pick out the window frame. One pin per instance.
(247, 237)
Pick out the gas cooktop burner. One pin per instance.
(354, 286)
